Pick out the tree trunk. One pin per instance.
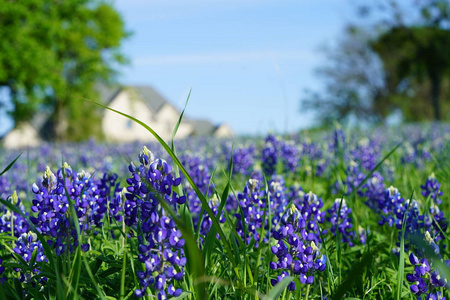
(59, 121)
(436, 80)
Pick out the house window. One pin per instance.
(129, 124)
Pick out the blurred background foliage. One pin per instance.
(394, 64)
(52, 53)
(391, 64)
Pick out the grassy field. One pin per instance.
(339, 214)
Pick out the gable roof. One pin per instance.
(152, 98)
(202, 127)
(107, 92)
(146, 93)
(45, 126)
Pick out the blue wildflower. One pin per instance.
(160, 243)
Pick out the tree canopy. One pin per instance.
(422, 55)
(408, 69)
(52, 53)
(353, 80)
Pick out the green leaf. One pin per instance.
(356, 271)
(10, 165)
(179, 120)
(401, 263)
(211, 236)
(122, 275)
(200, 195)
(2, 293)
(75, 272)
(33, 257)
(279, 288)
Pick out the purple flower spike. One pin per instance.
(413, 259)
(161, 243)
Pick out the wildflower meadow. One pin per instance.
(336, 214)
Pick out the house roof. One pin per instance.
(106, 92)
(150, 97)
(42, 120)
(202, 127)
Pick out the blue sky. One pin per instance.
(247, 62)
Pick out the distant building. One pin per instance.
(141, 102)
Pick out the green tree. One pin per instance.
(52, 53)
(412, 54)
(422, 55)
(354, 87)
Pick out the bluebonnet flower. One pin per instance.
(284, 274)
(436, 296)
(425, 278)
(52, 207)
(314, 153)
(353, 179)
(201, 176)
(435, 222)
(14, 179)
(374, 191)
(252, 201)
(5, 187)
(269, 155)
(338, 141)
(393, 211)
(295, 249)
(160, 243)
(2, 270)
(26, 244)
(362, 233)
(339, 217)
(431, 188)
(391, 203)
(244, 159)
(199, 171)
(310, 208)
(12, 222)
(413, 221)
(110, 190)
(289, 155)
(366, 153)
(278, 198)
(338, 136)
(415, 153)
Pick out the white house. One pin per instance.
(24, 135)
(140, 102)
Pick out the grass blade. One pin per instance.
(175, 129)
(10, 165)
(356, 272)
(200, 195)
(401, 263)
(276, 291)
(195, 258)
(355, 190)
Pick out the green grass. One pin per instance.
(228, 267)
